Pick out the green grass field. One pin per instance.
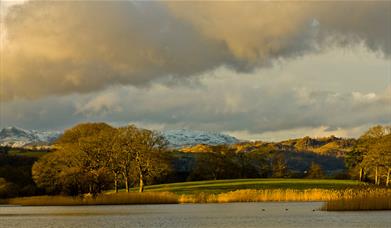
(219, 186)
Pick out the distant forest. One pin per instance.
(94, 157)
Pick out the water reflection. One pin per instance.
(191, 215)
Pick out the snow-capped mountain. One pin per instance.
(18, 137)
(185, 138)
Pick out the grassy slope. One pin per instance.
(219, 186)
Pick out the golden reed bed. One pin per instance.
(284, 195)
(359, 204)
(347, 199)
(104, 199)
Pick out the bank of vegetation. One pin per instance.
(286, 195)
(94, 158)
(360, 198)
(124, 198)
(360, 203)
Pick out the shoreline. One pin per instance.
(333, 200)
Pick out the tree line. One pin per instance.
(15, 175)
(92, 157)
(225, 162)
(370, 160)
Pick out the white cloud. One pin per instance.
(101, 105)
(364, 97)
(317, 132)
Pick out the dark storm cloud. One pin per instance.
(65, 47)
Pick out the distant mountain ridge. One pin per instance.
(193, 141)
(18, 137)
(188, 138)
(331, 146)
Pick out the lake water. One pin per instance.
(191, 215)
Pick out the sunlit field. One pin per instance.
(221, 186)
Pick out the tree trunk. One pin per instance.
(141, 183)
(361, 174)
(365, 175)
(116, 182)
(376, 175)
(388, 177)
(126, 183)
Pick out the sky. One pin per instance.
(269, 70)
